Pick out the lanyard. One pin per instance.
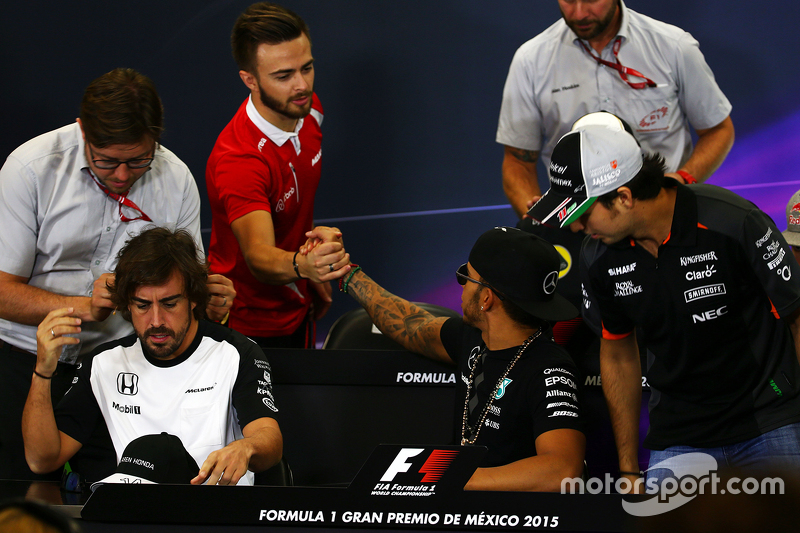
(623, 71)
(121, 199)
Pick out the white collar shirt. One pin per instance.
(61, 231)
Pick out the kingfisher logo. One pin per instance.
(128, 383)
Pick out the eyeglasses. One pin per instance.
(111, 164)
(462, 276)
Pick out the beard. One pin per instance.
(472, 310)
(599, 25)
(163, 350)
(287, 109)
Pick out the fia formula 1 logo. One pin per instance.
(433, 468)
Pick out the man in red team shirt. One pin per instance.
(262, 177)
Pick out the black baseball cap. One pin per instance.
(156, 458)
(523, 268)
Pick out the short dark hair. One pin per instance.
(150, 258)
(266, 23)
(121, 107)
(515, 312)
(646, 184)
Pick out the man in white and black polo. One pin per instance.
(207, 384)
(708, 280)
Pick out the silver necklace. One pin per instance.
(488, 406)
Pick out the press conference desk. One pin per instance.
(336, 407)
(178, 509)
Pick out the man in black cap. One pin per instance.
(708, 280)
(518, 387)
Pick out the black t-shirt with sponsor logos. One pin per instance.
(221, 383)
(539, 394)
(721, 362)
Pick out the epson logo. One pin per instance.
(127, 409)
(710, 315)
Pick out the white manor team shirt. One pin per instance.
(205, 397)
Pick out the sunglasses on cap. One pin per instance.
(462, 277)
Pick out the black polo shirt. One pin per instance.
(721, 363)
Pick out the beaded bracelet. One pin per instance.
(294, 263)
(343, 282)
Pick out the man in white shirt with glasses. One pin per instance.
(69, 201)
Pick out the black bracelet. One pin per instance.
(639, 473)
(294, 263)
(43, 376)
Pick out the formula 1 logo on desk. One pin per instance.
(413, 482)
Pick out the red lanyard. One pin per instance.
(121, 200)
(623, 71)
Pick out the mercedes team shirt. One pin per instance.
(539, 394)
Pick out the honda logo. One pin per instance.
(127, 383)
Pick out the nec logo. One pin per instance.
(433, 468)
(127, 383)
(710, 315)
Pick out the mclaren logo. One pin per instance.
(128, 383)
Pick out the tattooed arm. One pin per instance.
(405, 323)
(520, 179)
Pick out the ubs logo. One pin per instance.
(128, 383)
